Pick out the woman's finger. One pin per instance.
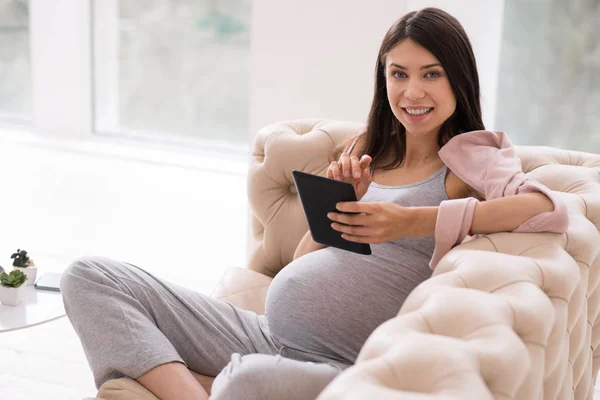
(348, 219)
(333, 172)
(352, 229)
(356, 207)
(345, 165)
(365, 161)
(357, 238)
(365, 179)
(355, 165)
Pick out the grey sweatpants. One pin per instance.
(129, 322)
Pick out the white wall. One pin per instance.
(316, 58)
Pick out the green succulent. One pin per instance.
(21, 259)
(14, 279)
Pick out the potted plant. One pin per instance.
(25, 264)
(11, 287)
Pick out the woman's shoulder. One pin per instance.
(477, 139)
(471, 155)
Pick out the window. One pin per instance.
(549, 91)
(176, 69)
(15, 73)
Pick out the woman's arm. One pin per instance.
(385, 222)
(503, 214)
(307, 245)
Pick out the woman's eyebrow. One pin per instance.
(423, 67)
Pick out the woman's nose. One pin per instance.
(414, 91)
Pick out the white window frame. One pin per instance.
(61, 69)
(64, 37)
(105, 26)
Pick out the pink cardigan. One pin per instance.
(486, 161)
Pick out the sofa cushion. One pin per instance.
(124, 389)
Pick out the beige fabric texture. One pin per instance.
(504, 316)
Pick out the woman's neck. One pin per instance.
(421, 151)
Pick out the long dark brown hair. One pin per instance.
(444, 37)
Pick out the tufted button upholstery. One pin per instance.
(277, 218)
(504, 316)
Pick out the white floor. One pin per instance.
(186, 223)
(45, 362)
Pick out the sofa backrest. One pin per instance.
(278, 221)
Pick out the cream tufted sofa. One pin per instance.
(504, 316)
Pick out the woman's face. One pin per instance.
(418, 89)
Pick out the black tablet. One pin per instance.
(319, 196)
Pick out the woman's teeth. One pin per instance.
(418, 111)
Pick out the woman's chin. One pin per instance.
(418, 131)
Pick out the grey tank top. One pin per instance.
(329, 301)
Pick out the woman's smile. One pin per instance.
(416, 114)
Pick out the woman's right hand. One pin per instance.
(352, 170)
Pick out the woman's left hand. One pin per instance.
(377, 222)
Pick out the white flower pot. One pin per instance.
(31, 273)
(11, 296)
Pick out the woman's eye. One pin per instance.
(398, 74)
(433, 74)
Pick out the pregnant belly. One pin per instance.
(328, 302)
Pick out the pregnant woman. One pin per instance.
(321, 308)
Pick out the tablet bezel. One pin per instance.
(319, 196)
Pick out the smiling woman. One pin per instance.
(321, 308)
